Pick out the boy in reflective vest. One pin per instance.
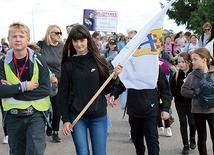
(25, 90)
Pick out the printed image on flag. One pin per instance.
(140, 56)
(141, 70)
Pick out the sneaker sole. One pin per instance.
(56, 141)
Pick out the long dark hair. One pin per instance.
(177, 35)
(81, 32)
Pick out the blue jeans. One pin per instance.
(98, 134)
(145, 127)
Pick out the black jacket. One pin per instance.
(145, 102)
(176, 88)
(80, 80)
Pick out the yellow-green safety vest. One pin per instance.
(11, 103)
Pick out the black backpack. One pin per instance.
(206, 92)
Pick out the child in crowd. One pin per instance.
(183, 104)
(163, 60)
(169, 46)
(202, 63)
(25, 89)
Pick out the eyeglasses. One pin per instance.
(57, 33)
(206, 29)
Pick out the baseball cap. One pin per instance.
(112, 41)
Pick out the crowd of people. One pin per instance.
(50, 81)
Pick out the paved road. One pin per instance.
(118, 143)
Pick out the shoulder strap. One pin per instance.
(188, 47)
(202, 38)
(197, 74)
(209, 77)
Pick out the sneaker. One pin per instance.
(185, 149)
(55, 137)
(192, 143)
(5, 140)
(48, 131)
(168, 132)
(161, 131)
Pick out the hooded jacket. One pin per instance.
(193, 82)
(80, 80)
(176, 84)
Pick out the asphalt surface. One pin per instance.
(118, 139)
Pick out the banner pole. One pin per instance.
(92, 100)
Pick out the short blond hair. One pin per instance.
(18, 26)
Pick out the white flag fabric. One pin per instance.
(140, 56)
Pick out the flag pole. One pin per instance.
(123, 62)
(92, 100)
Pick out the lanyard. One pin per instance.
(19, 72)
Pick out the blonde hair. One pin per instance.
(47, 37)
(18, 26)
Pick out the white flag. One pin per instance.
(140, 56)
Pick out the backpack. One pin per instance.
(206, 91)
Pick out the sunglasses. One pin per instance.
(206, 29)
(57, 33)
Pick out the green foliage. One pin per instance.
(167, 32)
(192, 13)
(202, 15)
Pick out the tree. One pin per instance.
(168, 32)
(192, 13)
(202, 15)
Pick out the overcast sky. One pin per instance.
(131, 14)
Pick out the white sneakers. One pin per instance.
(167, 132)
(5, 140)
(161, 131)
